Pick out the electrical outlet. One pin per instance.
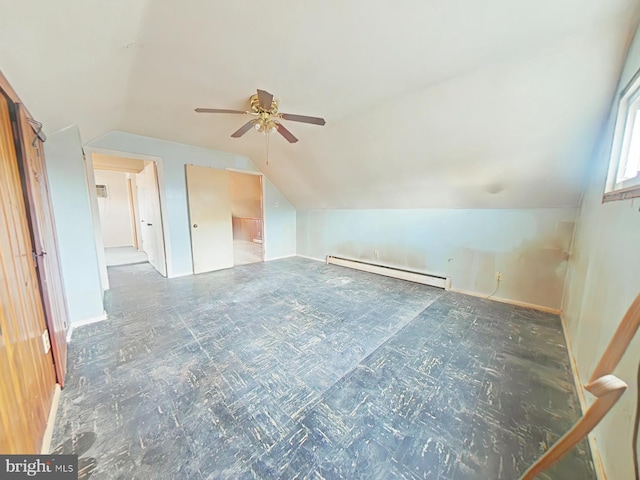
(375, 254)
(498, 276)
(46, 344)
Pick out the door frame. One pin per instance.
(97, 227)
(49, 271)
(262, 206)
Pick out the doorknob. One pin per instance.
(195, 225)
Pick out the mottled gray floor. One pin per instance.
(295, 369)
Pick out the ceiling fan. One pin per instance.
(264, 106)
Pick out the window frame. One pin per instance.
(626, 116)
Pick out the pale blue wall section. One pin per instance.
(74, 224)
(280, 228)
(280, 221)
(603, 280)
(528, 246)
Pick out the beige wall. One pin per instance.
(604, 277)
(246, 195)
(115, 212)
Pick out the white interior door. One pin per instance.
(145, 217)
(150, 217)
(210, 218)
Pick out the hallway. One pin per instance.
(116, 256)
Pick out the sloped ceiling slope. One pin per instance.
(456, 104)
(70, 60)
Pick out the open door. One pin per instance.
(151, 217)
(210, 218)
(44, 242)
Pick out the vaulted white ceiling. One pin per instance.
(461, 104)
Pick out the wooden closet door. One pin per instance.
(27, 377)
(45, 243)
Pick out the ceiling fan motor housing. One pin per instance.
(256, 108)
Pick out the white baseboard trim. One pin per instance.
(316, 259)
(280, 258)
(81, 323)
(424, 278)
(595, 451)
(51, 421)
(517, 303)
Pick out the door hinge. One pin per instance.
(36, 255)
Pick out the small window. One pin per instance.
(101, 191)
(623, 180)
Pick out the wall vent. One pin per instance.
(411, 276)
(101, 191)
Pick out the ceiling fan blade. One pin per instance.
(303, 118)
(286, 134)
(243, 129)
(217, 110)
(265, 99)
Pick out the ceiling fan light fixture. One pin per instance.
(264, 106)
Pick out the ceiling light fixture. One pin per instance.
(266, 125)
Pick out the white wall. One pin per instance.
(528, 246)
(115, 209)
(604, 277)
(280, 216)
(74, 224)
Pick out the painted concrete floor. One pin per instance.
(294, 369)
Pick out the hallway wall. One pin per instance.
(74, 224)
(115, 209)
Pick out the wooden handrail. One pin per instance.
(606, 387)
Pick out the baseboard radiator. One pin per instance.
(411, 276)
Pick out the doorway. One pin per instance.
(128, 205)
(225, 216)
(245, 191)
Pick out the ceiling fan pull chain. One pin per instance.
(267, 137)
